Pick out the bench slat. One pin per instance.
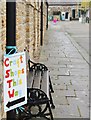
(45, 83)
(37, 79)
(30, 79)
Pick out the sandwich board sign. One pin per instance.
(15, 81)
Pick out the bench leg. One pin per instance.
(50, 111)
(51, 101)
(51, 88)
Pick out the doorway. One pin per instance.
(73, 13)
(66, 15)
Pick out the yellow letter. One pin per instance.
(20, 81)
(19, 72)
(18, 62)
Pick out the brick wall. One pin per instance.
(44, 17)
(2, 48)
(27, 33)
(21, 25)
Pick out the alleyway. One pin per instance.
(65, 52)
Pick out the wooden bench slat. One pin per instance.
(45, 83)
(30, 79)
(37, 79)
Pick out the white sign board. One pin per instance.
(15, 81)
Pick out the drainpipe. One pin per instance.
(10, 24)
(41, 40)
(47, 16)
(10, 37)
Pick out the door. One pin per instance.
(66, 15)
(73, 13)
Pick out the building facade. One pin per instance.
(28, 33)
(69, 11)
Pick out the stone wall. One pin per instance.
(27, 33)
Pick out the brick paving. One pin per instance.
(69, 70)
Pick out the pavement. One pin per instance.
(66, 53)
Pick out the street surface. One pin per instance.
(66, 53)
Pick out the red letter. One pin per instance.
(7, 73)
(9, 81)
(11, 94)
(21, 59)
(5, 62)
(22, 70)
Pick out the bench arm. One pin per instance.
(38, 66)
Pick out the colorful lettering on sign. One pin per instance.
(9, 83)
(17, 62)
(12, 83)
(14, 93)
(14, 75)
(7, 73)
(20, 72)
(6, 62)
(11, 94)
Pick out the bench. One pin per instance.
(39, 98)
(39, 91)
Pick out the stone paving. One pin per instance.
(69, 72)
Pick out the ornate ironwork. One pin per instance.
(37, 98)
(37, 66)
(37, 106)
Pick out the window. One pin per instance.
(56, 12)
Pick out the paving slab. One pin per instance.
(63, 80)
(61, 86)
(78, 87)
(64, 72)
(57, 66)
(60, 100)
(66, 111)
(78, 66)
(64, 93)
(82, 107)
(82, 96)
